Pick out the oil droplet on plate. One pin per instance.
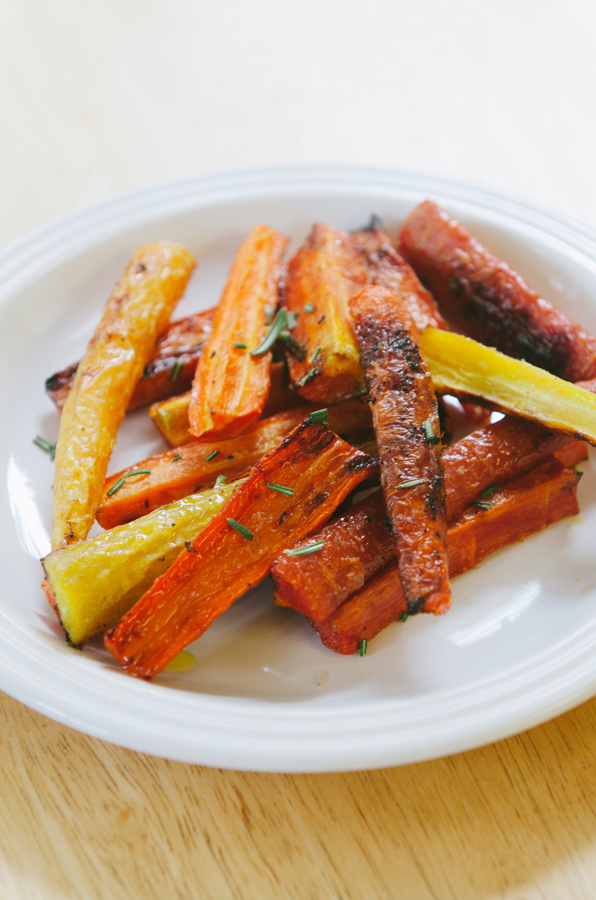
(181, 663)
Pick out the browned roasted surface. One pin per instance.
(388, 269)
(358, 543)
(404, 406)
(169, 372)
(522, 507)
(221, 564)
(485, 299)
(196, 465)
(322, 276)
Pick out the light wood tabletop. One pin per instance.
(106, 95)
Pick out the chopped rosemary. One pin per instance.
(308, 307)
(221, 479)
(269, 310)
(120, 483)
(315, 354)
(308, 377)
(320, 415)
(304, 551)
(295, 348)
(281, 489)
(240, 529)
(291, 319)
(413, 482)
(176, 370)
(211, 455)
(404, 616)
(279, 323)
(482, 504)
(489, 490)
(429, 433)
(189, 547)
(240, 346)
(363, 647)
(45, 446)
(176, 457)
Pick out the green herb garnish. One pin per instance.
(281, 489)
(240, 529)
(45, 446)
(211, 455)
(482, 504)
(413, 482)
(489, 490)
(315, 354)
(309, 308)
(429, 433)
(240, 346)
(118, 484)
(320, 415)
(176, 457)
(279, 323)
(176, 370)
(306, 550)
(363, 647)
(308, 377)
(221, 479)
(404, 616)
(269, 310)
(291, 319)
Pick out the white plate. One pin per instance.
(519, 644)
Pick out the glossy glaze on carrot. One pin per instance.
(231, 384)
(358, 544)
(522, 507)
(170, 372)
(485, 299)
(236, 549)
(322, 276)
(196, 465)
(407, 430)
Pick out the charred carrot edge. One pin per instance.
(488, 301)
(169, 372)
(171, 415)
(322, 276)
(526, 505)
(388, 269)
(406, 422)
(358, 543)
(236, 549)
(184, 470)
(231, 384)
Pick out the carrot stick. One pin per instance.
(184, 470)
(288, 494)
(522, 507)
(487, 300)
(232, 382)
(406, 423)
(358, 544)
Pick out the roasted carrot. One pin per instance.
(322, 276)
(288, 494)
(197, 465)
(170, 371)
(388, 269)
(171, 416)
(406, 422)
(358, 544)
(232, 379)
(488, 301)
(135, 315)
(520, 508)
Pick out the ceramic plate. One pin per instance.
(518, 646)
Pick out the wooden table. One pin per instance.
(97, 97)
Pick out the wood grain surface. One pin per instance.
(105, 95)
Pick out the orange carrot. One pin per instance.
(184, 470)
(232, 380)
(288, 494)
(522, 507)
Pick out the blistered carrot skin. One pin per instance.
(231, 385)
(192, 467)
(406, 422)
(485, 299)
(322, 276)
(525, 505)
(358, 544)
(388, 269)
(235, 551)
(169, 372)
(171, 415)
